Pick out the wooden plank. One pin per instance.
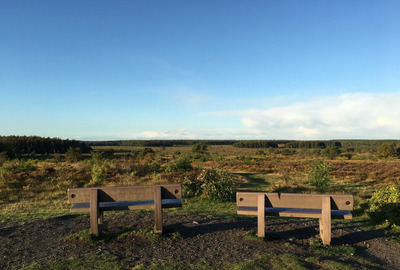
(325, 221)
(293, 200)
(124, 193)
(158, 210)
(111, 206)
(293, 212)
(261, 215)
(94, 212)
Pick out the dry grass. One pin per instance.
(33, 184)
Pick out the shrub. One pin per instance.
(182, 164)
(108, 153)
(384, 205)
(331, 152)
(210, 184)
(73, 154)
(320, 174)
(144, 152)
(191, 185)
(200, 148)
(386, 150)
(217, 185)
(99, 173)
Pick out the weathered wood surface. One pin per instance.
(325, 207)
(94, 212)
(294, 212)
(158, 210)
(99, 199)
(325, 221)
(294, 200)
(111, 206)
(261, 216)
(124, 193)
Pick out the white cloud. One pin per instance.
(346, 116)
(180, 133)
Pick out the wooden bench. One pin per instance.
(321, 206)
(96, 200)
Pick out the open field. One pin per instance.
(37, 231)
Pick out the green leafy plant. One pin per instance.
(73, 154)
(384, 205)
(182, 164)
(331, 152)
(99, 171)
(210, 184)
(320, 174)
(217, 185)
(386, 150)
(191, 185)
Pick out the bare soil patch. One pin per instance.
(190, 238)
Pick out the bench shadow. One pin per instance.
(279, 228)
(254, 182)
(245, 224)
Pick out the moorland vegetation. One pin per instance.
(35, 173)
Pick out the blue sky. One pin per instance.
(97, 70)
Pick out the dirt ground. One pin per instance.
(216, 241)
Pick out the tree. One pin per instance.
(331, 152)
(200, 148)
(386, 150)
(320, 175)
(73, 154)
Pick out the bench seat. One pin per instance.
(294, 212)
(325, 207)
(110, 206)
(96, 200)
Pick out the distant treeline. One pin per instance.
(20, 145)
(160, 143)
(256, 144)
(287, 144)
(17, 145)
(313, 144)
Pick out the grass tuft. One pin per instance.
(104, 261)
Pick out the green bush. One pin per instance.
(200, 148)
(12, 165)
(143, 152)
(182, 164)
(73, 154)
(384, 205)
(210, 184)
(386, 150)
(99, 173)
(320, 174)
(331, 152)
(217, 185)
(191, 185)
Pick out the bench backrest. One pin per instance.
(124, 193)
(294, 200)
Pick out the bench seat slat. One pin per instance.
(109, 206)
(294, 212)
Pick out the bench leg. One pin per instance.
(158, 227)
(94, 212)
(261, 215)
(100, 221)
(325, 222)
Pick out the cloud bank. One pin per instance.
(364, 116)
(347, 116)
